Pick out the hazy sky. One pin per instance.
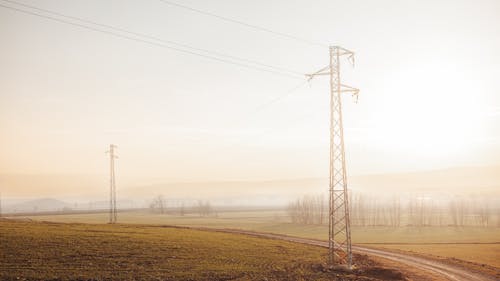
(428, 73)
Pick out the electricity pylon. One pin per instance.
(112, 184)
(339, 234)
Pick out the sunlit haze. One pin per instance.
(428, 74)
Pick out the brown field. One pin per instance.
(459, 242)
(54, 251)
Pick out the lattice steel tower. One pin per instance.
(339, 237)
(112, 184)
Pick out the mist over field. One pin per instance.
(478, 184)
(249, 140)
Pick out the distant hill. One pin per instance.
(262, 192)
(459, 181)
(38, 205)
(475, 181)
(483, 181)
(51, 185)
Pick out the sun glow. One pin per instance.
(434, 119)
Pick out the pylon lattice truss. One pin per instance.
(339, 238)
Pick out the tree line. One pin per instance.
(161, 205)
(366, 210)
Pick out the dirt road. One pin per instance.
(437, 270)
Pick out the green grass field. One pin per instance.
(276, 222)
(56, 251)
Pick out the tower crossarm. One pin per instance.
(324, 71)
(343, 88)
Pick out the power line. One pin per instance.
(246, 119)
(263, 106)
(162, 45)
(154, 38)
(260, 28)
(280, 97)
(288, 125)
(287, 93)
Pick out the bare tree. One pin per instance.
(360, 210)
(293, 210)
(307, 210)
(158, 204)
(395, 212)
(462, 211)
(204, 208)
(483, 215)
(457, 210)
(453, 210)
(498, 217)
(321, 208)
(182, 209)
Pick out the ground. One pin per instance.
(480, 245)
(73, 251)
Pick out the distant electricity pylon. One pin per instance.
(112, 184)
(339, 235)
